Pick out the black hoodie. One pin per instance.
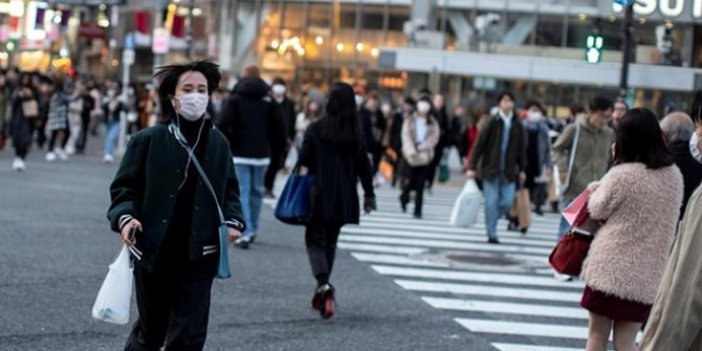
(252, 121)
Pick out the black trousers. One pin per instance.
(54, 134)
(83, 138)
(276, 164)
(433, 166)
(173, 309)
(417, 179)
(321, 239)
(537, 193)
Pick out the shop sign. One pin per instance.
(89, 30)
(161, 41)
(86, 2)
(675, 10)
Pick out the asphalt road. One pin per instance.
(56, 246)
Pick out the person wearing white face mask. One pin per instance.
(287, 108)
(168, 216)
(420, 134)
(539, 165)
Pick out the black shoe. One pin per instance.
(268, 194)
(524, 230)
(539, 212)
(554, 207)
(328, 303)
(317, 299)
(418, 215)
(493, 241)
(512, 227)
(403, 205)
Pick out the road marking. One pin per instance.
(382, 248)
(454, 245)
(506, 307)
(397, 260)
(493, 291)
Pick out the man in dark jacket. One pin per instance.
(287, 108)
(254, 126)
(373, 125)
(500, 158)
(677, 129)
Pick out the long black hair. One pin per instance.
(640, 139)
(168, 76)
(340, 125)
(696, 108)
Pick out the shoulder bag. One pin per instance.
(571, 160)
(294, 204)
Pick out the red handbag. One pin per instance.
(571, 251)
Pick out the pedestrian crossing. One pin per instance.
(506, 292)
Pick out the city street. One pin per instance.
(402, 283)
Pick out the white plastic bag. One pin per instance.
(465, 209)
(291, 158)
(114, 300)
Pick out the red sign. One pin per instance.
(89, 30)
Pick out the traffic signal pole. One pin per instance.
(628, 34)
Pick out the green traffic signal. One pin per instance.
(593, 48)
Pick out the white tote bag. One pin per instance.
(465, 209)
(114, 300)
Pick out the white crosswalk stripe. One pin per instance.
(505, 292)
(518, 307)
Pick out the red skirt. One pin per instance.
(614, 307)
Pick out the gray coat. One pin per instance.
(544, 145)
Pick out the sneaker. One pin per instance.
(18, 164)
(50, 157)
(108, 159)
(492, 240)
(70, 150)
(562, 277)
(62, 155)
(268, 194)
(243, 242)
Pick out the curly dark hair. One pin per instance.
(168, 76)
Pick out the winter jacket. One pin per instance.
(21, 127)
(675, 322)
(373, 124)
(252, 121)
(335, 195)
(543, 146)
(58, 112)
(592, 155)
(487, 150)
(409, 139)
(287, 108)
(146, 185)
(689, 167)
(640, 207)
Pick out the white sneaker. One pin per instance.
(70, 150)
(18, 164)
(62, 155)
(108, 159)
(50, 157)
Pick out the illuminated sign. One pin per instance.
(678, 10)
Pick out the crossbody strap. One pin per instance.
(203, 175)
(573, 150)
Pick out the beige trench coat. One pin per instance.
(675, 323)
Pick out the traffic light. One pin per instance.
(593, 48)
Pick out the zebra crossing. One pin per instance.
(505, 292)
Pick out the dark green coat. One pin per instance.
(146, 184)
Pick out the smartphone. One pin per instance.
(132, 234)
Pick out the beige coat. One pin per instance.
(641, 208)
(409, 132)
(592, 155)
(676, 319)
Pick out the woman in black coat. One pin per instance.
(334, 152)
(25, 111)
(168, 216)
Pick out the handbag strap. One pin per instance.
(573, 149)
(181, 140)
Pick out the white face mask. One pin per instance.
(534, 116)
(359, 101)
(193, 105)
(423, 107)
(386, 109)
(279, 89)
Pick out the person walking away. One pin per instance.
(620, 108)
(420, 134)
(457, 132)
(499, 155)
(538, 170)
(677, 130)
(304, 119)
(374, 126)
(113, 106)
(58, 123)
(97, 114)
(159, 193)
(334, 152)
(254, 126)
(638, 201)
(45, 88)
(89, 104)
(441, 116)
(287, 108)
(24, 111)
(75, 111)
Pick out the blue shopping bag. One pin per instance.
(294, 203)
